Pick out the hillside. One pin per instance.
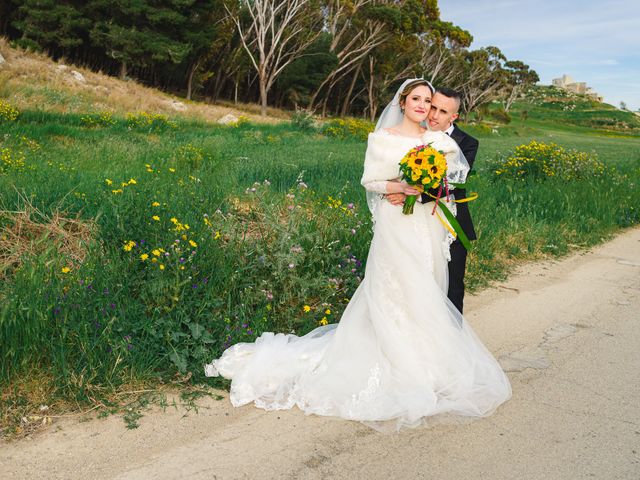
(33, 81)
(545, 104)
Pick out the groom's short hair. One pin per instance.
(451, 93)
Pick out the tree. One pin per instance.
(481, 77)
(623, 106)
(387, 65)
(274, 33)
(208, 30)
(143, 33)
(438, 47)
(300, 80)
(56, 26)
(518, 77)
(356, 27)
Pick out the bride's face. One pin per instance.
(417, 104)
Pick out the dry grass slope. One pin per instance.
(33, 81)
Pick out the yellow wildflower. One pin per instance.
(193, 244)
(132, 181)
(217, 236)
(327, 311)
(128, 246)
(161, 266)
(156, 252)
(172, 170)
(156, 218)
(155, 204)
(144, 256)
(108, 181)
(66, 269)
(324, 321)
(306, 308)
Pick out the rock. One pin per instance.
(176, 105)
(62, 67)
(78, 76)
(2, 60)
(228, 119)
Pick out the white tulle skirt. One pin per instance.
(400, 355)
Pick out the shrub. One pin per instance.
(501, 115)
(303, 119)
(348, 128)
(8, 113)
(102, 119)
(189, 156)
(539, 160)
(149, 121)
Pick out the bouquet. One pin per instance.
(423, 167)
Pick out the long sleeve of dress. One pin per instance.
(376, 186)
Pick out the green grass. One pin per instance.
(115, 320)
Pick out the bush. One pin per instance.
(303, 119)
(102, 119)
(8, 113)
(501, 115)
(539, 161)
(348, 128)
(149, 121)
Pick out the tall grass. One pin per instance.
(206, 235)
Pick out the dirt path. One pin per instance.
(567, 332)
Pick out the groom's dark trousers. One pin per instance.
(457, 265)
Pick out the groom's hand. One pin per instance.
(396, 198)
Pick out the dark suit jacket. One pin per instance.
(469, 147)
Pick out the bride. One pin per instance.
(402, 353)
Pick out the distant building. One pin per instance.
(567, 83)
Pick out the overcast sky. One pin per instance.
(594, 42)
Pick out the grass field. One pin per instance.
(134, 252)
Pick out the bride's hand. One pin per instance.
(396, 198)
(401, 187)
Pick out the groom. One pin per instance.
(445, 104)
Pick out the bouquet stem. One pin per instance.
(409, 202)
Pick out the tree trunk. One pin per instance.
(510, 99)
(192, 72)
(123, 70)
(347, 98)
(263, 96)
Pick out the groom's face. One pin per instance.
(443, 112)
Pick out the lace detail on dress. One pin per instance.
(450, 238)
(366, 396)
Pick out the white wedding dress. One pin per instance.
(401, 353)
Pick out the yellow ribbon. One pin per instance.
(472, 196)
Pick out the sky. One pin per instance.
(594, 42)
